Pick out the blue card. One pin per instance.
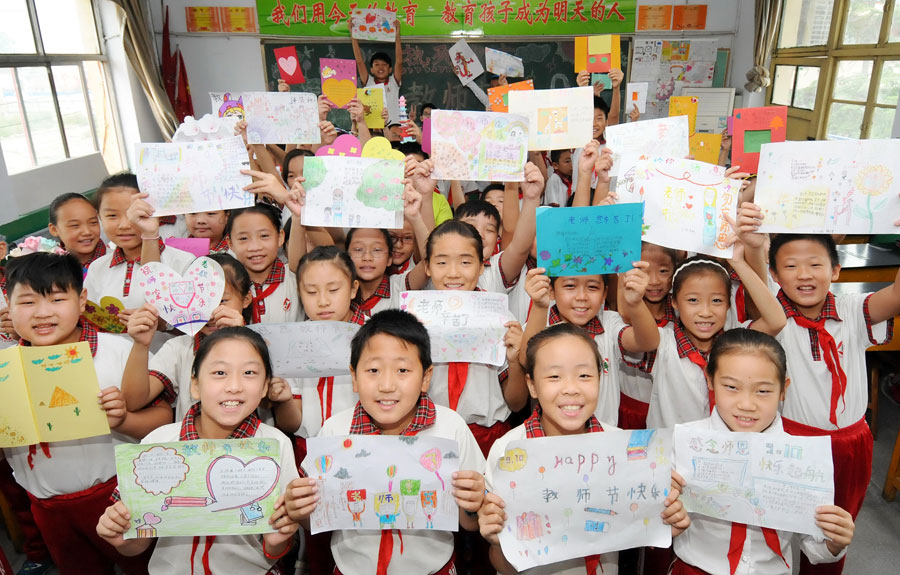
(603, 79)
(589, 240)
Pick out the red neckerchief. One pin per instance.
(593, 327)
(533, 428)
(740, 300)
(394, 270)
(275, 278)
(736, 544)
(361, 424)
(821, 339)
(325, 386)
(686, 348)
(383, 291)
(167, 220)
(246, 429)
(119, 258)
(88, 334)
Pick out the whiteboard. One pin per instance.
(714, 105)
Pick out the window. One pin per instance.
(54, 88)
(853, 46)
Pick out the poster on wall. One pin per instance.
(668, 65)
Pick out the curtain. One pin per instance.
(140, 47)
(766, 24)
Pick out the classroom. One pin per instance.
(236, 236)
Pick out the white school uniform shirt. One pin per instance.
(283, 304)
(340, 395)
(481, 401)
(556, 192)
(388, 292)
(705, 543)
(606, 329)
(228, 553)
(608, 561)
(78, 464)
(177, 230)
(635, 382)
(105, 279)
(391, 95)
(425, 551)
(493, 279)
(808, 398)
(172, 366)
(519, 300)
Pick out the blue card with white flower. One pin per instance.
(589, 240)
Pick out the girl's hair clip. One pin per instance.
(694, 262)
(35, 244)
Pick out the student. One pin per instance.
(602, 118)
(563, 367)
(559, 184)
(427, 107)
(579, 300)
(404, 254)
(256, 237)
(494, 195)
(128, 222)
(382, 73)
(636, 385)
(168, 372)
(75, 222)
(229, 377)
(825, 340)
(701, 297)
(69, 482)
(747, 373)
(390, 363)
(209, 225)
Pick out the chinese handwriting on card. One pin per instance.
(185, 302)
(214, 487)
(383, 482)
(666, 137)
(557, 119)
(483, 146)
(282, 117)
(766, 479)
(309, 348)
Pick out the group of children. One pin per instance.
(757, 343)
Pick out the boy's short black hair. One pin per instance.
(472, 208)
(412, 148)
(780, 240)
(120, 180)
(428, 105)
(600, 104)
(396, 323)
(44, 272)
(383, 56)
(556, 155)
(490, 188)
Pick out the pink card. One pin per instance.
(338, 80)
(197, 246)
(426, 135)
(289, 65)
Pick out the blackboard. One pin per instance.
(427, 74)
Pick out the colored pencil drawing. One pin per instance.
(373, 25)
(559, 119)
(185, 302)
(665, 137)
(282, 117)
(478, 146)
(381, 484)
(214, 487)
(562, 493)
(308, 349)
(105, 315)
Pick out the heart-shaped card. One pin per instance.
(186, 302)
(380, 148)
(230, 494)
(105, 315)
(344, 145)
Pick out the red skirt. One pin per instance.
(632, 412)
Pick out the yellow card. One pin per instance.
(372, 100)
(600, 44)
(16, 419)
(616, 59)
(581, 52)
(684, 106)
(63, 388)
(705, 147)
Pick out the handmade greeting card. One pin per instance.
(498, 63)
(353, 192)
(603, 53)
(684, 203)
(197, 246)
(637, 96)
(308, 348)
(706, 147)
(383, 482)
(763, 479)
(227, 105)
(282, 118)
(499, 97)
(478, 146)
(557, 119)
(189, 177)
(372, 100)
(373, 25)
(833, 187)
(465, 63)
(579, 495)
(685, 106)
(214, 487)
(589, 240)
(49, 394)
(289, 64)
(463, 326)
(184, 302)
(665, 137)
(105, 315)
(753, 127)
(338, 80)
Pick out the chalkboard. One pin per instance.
(427, 74)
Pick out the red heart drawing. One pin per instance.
(370, 18)
(689, 206)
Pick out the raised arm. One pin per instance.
(398, 55)
(615, 77)
(586, 163)
(510, 216)
(514, 257)
(360, 60)
(643, 334)
(885, 303)
(771, 315)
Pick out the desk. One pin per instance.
(867, 263)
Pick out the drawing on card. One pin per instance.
(309, 348)
(559, 119)
(374, 25)
(665, 137)
(553, 121)
(282, 117)
(227, 105)
(185, 302)
(105, 315)
(478, 146)
(403, 483)
(217, 487)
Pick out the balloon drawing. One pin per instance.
(431, 460)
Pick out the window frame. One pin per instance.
(41, 59)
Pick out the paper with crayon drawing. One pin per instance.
(665, 137)
(478, 146)
(209, 487)
(353, 192)
(308, 348)
(684, 203)
(373, 25)
(498, 62)
(833, 187)
(767, 479)
(463, 326)
(282, 117)
(558, 119)
(580, 495)
(184, 302)
(49, 394)
(383, 482)
(589, 240)
(189, 177)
